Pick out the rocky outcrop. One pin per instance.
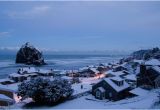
(142, 55)
(29, 55)
(147, 54)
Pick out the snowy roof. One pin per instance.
(117, 78)
(152, 62)
(115, 86)
(138, 61)
(28, 70)
(156, 68)
(118, 73)
(63, 72)
(66, 77)
(131, 77)
(16, 75)
(4, 97)
(139, 91)
(43, 71)
(94, 70)
(107, 72)
(101, 89)
(83, 68)
(6, 79)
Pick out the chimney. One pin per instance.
(142, 69)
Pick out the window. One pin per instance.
(110, 94)
(98, 94)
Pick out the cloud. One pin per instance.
(4, 34)
(35, 11)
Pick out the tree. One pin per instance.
(44, 91)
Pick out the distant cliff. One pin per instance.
(143, 55)
(28, 54)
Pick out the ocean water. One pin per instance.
(60, 62)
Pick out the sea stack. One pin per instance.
(28, 54)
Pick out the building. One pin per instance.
(114, 88)
(90, 72)
(6, 97)
(149, 75)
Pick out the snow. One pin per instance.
(10, 87)
(101, 89)
(28, 70)
(115, 86)
(63, 72)
(152, 62)
(94, 70)
(77, 88)
(83, 68)
(131, 77)
(139, 102)
(117, 78)
(138, 61)
(66, 77)
(139, 91)
(6, 79)
(119, 73)
(43, 71)
(15, 75)
(156, 68)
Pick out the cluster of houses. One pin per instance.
(117, 80)
(7, 93)
(120, 83)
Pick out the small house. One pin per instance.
(6, 97)
(6, 81)
(90, 72)
(114, 88)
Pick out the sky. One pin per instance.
(80, 25)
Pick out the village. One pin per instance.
(112, 83)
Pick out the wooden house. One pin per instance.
(114, 88)
(149, 75)
(6, 97)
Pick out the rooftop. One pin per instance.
(152, 62)
(115, 86)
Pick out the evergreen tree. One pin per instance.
(45, 91)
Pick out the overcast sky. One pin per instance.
(67, 26)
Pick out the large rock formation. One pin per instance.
(29, 55)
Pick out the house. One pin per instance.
(6, 97)
(27, 70)
(5, 100)
(149, 75)
(114, 88)
(90, 72)
(6, 81)
(17, 77)
(44, 72)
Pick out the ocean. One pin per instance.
(60, 62)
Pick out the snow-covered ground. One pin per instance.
(89, 102)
